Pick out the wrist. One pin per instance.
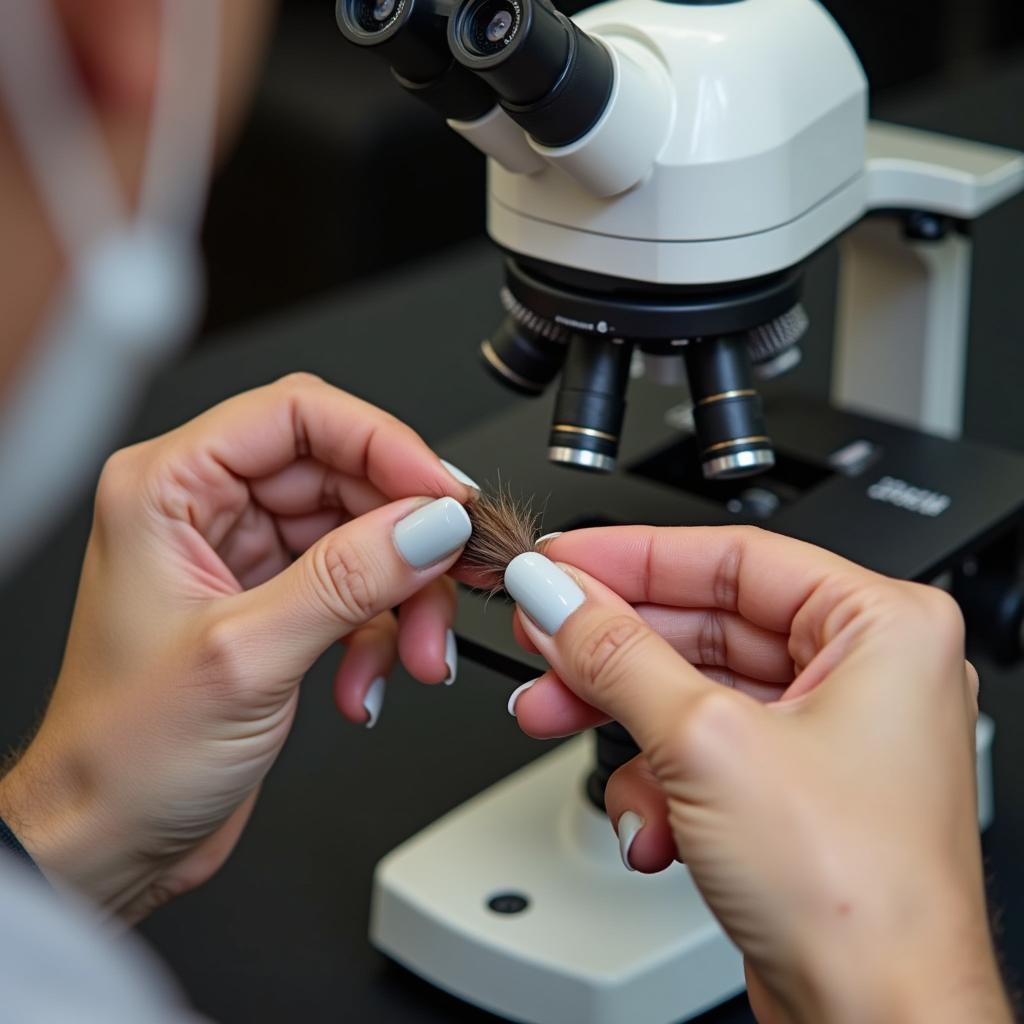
(48, 802)
(946, 973)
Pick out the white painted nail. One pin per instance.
(516, 694)
(432, 532)
(547, 536)
(451, 658)
(629, 828)
(546, 593)
(463, 478)
(373, 700)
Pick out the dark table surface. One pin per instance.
(280, 933)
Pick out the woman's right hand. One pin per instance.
(824, 801)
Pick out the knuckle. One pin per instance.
(603, 655)
(118, 483)
(711, 640)
(939, 618)
(224, 655)
(300, 380)
(711, 726)
(348, 581)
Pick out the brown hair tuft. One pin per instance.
(504, 526)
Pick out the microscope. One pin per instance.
(660, 173)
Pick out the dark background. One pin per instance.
(343, 238)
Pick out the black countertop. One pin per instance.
(280, 933)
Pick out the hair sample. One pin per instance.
(504, 526)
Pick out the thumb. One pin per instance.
(348, 577)
(606, 654)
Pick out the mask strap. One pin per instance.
(61, 138)
(56, 126)
(181, 140)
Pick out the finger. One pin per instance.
(762, 576)
(636, 807)
(712, 637)
(308, 485)
(521, 638)
(359, 683)
(261, 432)
(253, 549)
(763, 693)
(345, 579)
(546, 708)
(300, 532)
(425, 640)
(603, 651)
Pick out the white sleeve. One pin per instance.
(60, 961)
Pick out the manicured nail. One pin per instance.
(432, 532)
(451, 658)
(516, 694)
(373, 700)
(546, 593)
(547, 536)
(629, 828)
(463, 478)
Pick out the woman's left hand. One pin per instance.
(195, 623)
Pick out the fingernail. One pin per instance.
(373, 700)
(629, 828)
(546, 593)
(451, 657)
(547, 536)
(463, 478)
(516, 694)
(432, 532)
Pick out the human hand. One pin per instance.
(195, 623)
(824, 798)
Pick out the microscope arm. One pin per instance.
(904, 281)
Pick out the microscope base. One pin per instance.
(595, 944)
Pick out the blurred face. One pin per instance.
(115, 46)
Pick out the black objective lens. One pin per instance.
(591, 404)
(412, 37)
(727, 410)
(550, 75)
(526, 351)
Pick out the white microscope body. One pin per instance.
(733, 143)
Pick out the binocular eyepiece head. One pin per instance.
(551, 77)
(412, 37)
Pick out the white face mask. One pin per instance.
(133, 288)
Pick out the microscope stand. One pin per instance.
(594, 944)
(517, 901)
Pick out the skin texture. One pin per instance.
(195, 623)
(824, 797)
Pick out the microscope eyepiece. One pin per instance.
(526, 352)
(727, 413)
(491, 26)
(412, 37)
(552, 78)
(591, 404)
